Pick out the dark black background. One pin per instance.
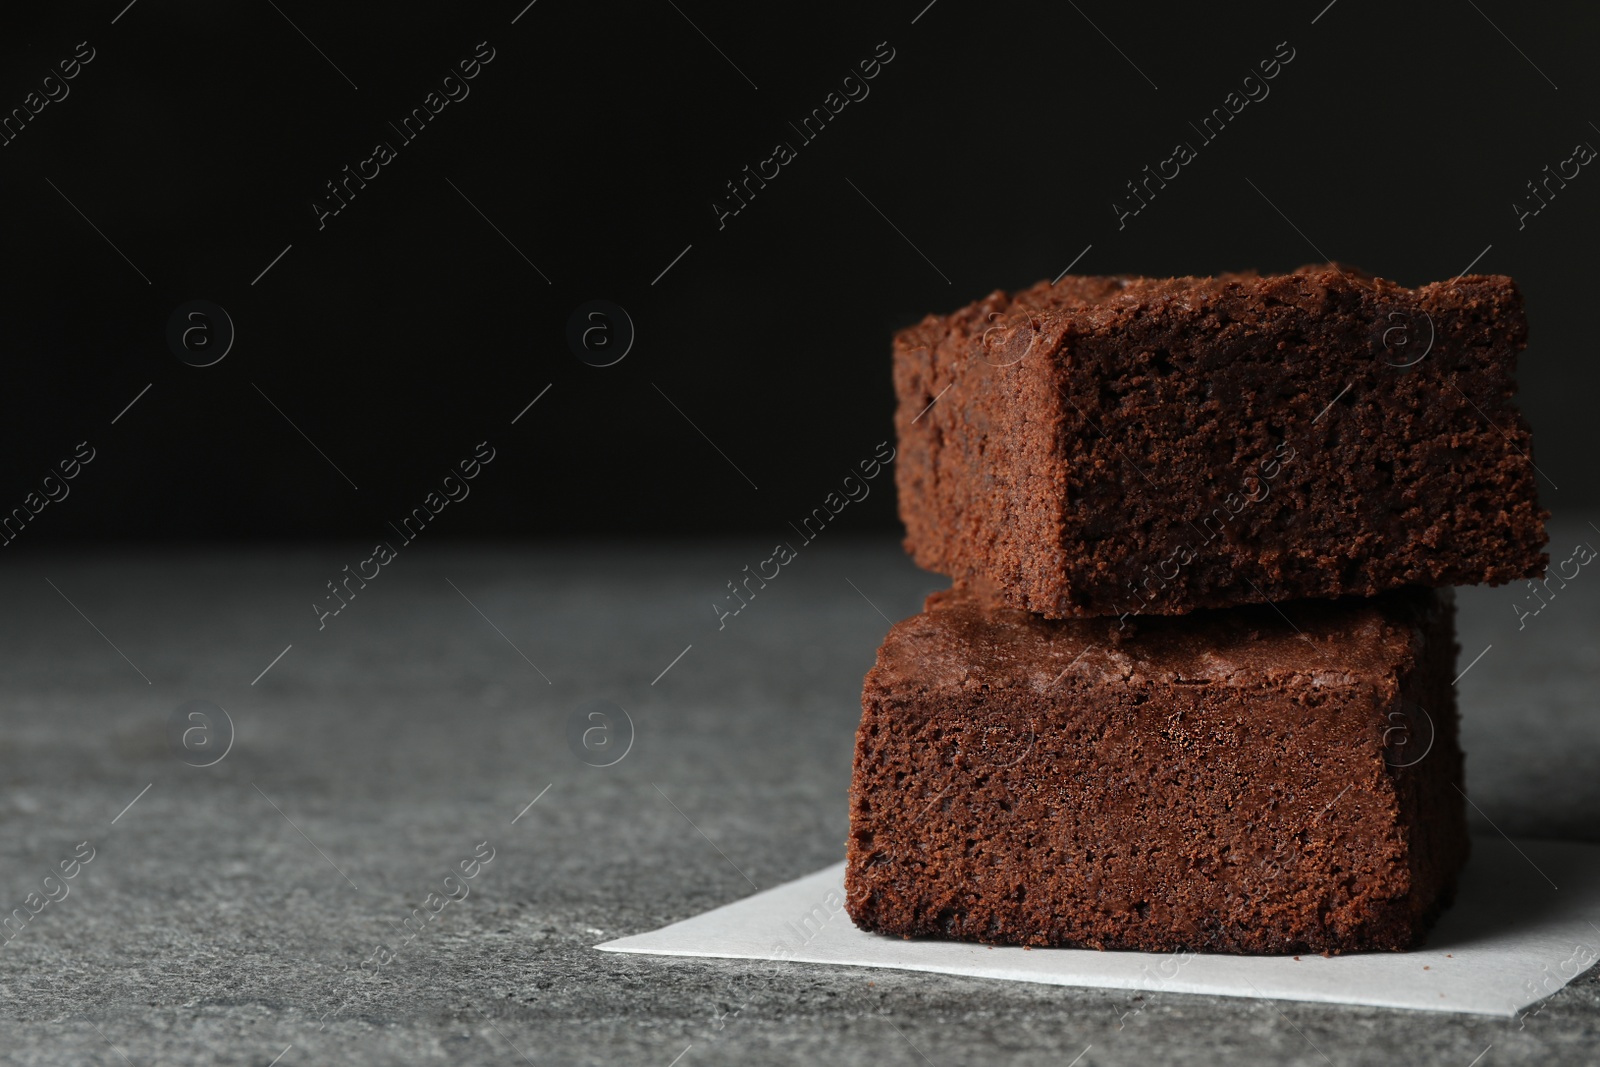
(407, 330)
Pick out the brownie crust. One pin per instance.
(1126, 446)
(1220, 782)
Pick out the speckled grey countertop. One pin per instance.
(257, 908)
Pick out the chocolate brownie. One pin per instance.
(1123, 446)
(1236, 781)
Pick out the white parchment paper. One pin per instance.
(1526, 922)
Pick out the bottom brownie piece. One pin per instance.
(1243, 781)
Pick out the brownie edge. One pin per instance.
(1216, 782)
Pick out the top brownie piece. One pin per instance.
(1125, 446)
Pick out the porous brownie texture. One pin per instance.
(1126, 446)
(1226, 781)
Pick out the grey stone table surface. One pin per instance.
(255, 911)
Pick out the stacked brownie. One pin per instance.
(1193, 687)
